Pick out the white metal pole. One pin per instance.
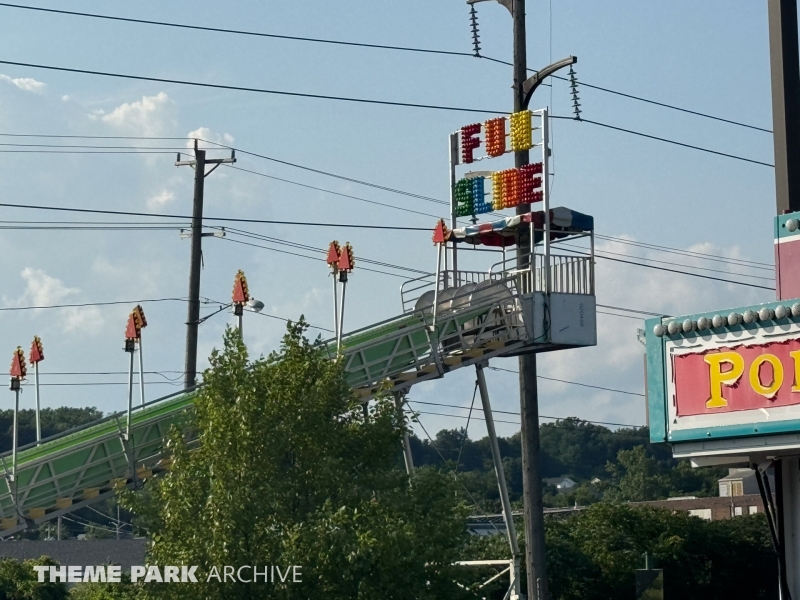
(498, 465)
(436, 283)
(141, 372)
(15, 440)
(38, 406)
(130, 397)
(454, 160)
(335, 306)
(239, 325)
(546, 197)
(341, 318)
(407, 457)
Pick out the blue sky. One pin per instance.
(710, 57)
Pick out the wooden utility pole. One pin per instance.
(193, 316)
(528, 391)
(785, 71)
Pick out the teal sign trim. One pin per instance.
(657, 385)
(780, 226)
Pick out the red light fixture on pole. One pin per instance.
(133, 333)
(344, 266)
(334, 252)
(240, 297)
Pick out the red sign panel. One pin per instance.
(734, 378)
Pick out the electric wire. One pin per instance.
(669, 250)
(311, 187)
(455, 475)
(279, 241)
(555, 425)
(668, 141)
(599, 254)
(597, 387)
(205, 218)
(237, 88)
(373, 46)
(237, 31)
(744, 283)
(83, 304)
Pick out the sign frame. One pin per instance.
(741, 434)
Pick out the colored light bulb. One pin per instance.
(469, 141)
(495, 136)
(521, 137)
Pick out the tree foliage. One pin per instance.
(594, 555)
(286, 470)
(18, 581)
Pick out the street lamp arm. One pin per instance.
(534, 82)
(509, 4)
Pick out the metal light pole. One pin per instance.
(37, 356)
(141, 323)
(334, 254)
(344, 266)
(508, 517)
(132, 334)
(17, 372)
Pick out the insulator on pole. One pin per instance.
(476, 38)
(573, 84)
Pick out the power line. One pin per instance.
(237, 88)
(371, 46)
(676, 271)
(279, 241)
(311, 187)
(664, 105)
(597, 387)
(305, 256)
(83, 304)
(631, 310)
(599, 254)
(239, 31)
(225, 219)
(669, 250)
(555, 425)
(506, 412)
(668, 141)
(327, 173)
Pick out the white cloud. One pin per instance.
(150, 116)
(26, 84)
(42, 289)
(159, 200)
(204, 133)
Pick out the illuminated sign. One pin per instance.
(716, 378)
(507, 188)
(510, 188)
(737, 378)
(494, 140)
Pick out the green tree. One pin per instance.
(636, 477)
(124, 590)
(18, 581)
(286, 470)
(594, 555)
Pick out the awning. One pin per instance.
(563, 223)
